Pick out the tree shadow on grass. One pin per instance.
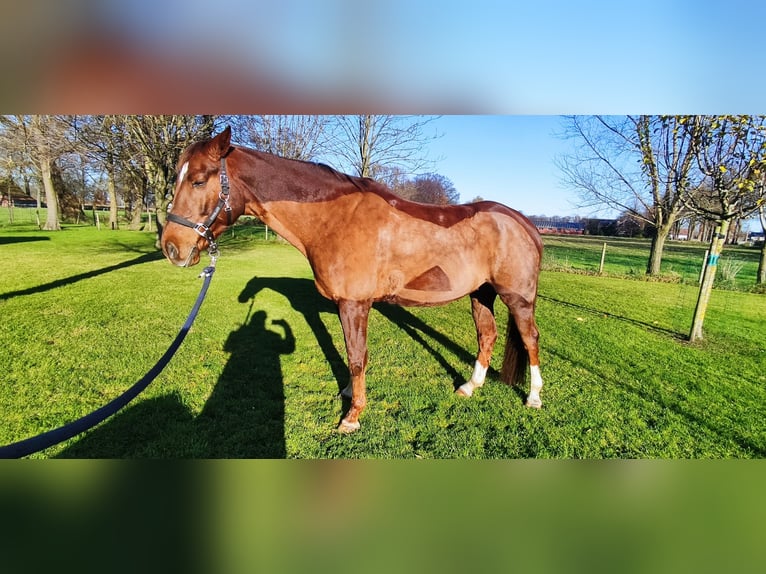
(242, 418)
(675, 405)
(8, 239)
(645, 325)
(145, 258)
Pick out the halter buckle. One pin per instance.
(202, 230)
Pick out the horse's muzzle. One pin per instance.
(174, 256)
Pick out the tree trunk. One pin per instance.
(716, 246)
(657, 247)
(52, 220)
(365, 134)
(112, 191)
(760, 279)
(733, 234)
(161, 203)
(136, 223)
(705, 235)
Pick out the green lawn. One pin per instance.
(681, 261)
(86, 313)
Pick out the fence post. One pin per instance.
(603, 255)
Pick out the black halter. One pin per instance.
(203, 229)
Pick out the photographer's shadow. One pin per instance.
(245, 415)
(242, 418)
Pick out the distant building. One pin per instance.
(19, 200)
(558, 225)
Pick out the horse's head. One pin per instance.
(200, 210)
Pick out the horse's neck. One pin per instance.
(271, 178)
(276, 187)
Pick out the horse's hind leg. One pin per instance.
(522, 312)
(354, 316)
(482, 309)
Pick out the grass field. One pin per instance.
(86, 313)
(681, 262)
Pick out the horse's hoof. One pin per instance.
(534, 403)
(346, 427)
(464, 390)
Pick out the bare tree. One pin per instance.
(368, 143)
(761, 276)
(436, 189)
(295, 137)
(156, 143)
(12, 160)
(639, 165)
(731, 157)
(105, 142)
(397, 180)
(43, 139)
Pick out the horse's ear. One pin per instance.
(219, 145)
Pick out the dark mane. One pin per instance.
(361, 183)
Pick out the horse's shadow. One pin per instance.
(305, 299)
(244, 415)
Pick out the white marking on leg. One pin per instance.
(479, 373)
(535, 386)
(477, 379)
(182, 173)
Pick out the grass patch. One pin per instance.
(86, 313)
(627, 258)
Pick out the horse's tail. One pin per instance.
(515, 357)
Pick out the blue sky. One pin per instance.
(537, 58)
(529, 60)
(507, 158)
(483, 56)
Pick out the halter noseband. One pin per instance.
(203, 229)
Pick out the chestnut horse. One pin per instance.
(365, 244)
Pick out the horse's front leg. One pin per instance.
(353, 318)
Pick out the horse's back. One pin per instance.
(516, 216)
(450, 215)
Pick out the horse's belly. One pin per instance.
(411, 298)
(433, 286)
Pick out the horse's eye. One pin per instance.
(198, 184)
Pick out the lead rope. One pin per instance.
(47, 439)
